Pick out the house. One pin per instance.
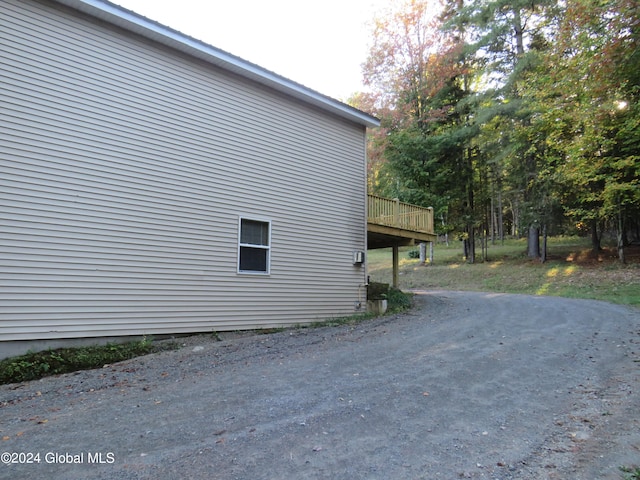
(153, 184)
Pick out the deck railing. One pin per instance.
(394, 213)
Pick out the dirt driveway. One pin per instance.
(466, 385)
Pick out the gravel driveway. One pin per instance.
(466, 385)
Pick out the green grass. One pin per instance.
(572, 270)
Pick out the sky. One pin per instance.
(318, 44)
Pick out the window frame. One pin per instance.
(241, 245)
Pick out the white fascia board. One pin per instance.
(128, 20)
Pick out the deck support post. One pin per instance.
(396, 263)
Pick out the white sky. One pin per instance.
(320, 44)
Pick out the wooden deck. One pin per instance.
(391, 222)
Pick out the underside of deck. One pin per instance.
(381, 236)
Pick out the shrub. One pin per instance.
(398, 301)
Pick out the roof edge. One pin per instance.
(136, 23)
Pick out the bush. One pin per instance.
(398, 301)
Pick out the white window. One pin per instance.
(254, 246)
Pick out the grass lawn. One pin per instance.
(572, 270)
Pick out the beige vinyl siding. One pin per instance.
(125, 167)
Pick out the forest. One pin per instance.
(509, 117)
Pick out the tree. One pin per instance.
(418, 73)
(594, 115)
(522, 112)
(505, 36)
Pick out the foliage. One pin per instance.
(419, 74)
(520, 115)
(631, 473)
(398, 301)
(35, 365)
(595, 95)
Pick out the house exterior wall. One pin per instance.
(124, 169)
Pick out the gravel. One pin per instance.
(465, 385)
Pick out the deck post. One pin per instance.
(396, 262)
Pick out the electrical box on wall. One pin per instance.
(358, 257)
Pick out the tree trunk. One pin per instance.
(518, 29)
(485, 247)
(621, 240)
(515, 219)
(494, 221)
(543, 257)
(595, 238)
(621, 253)
(500, 220)
(468, 159)
(533, 243)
